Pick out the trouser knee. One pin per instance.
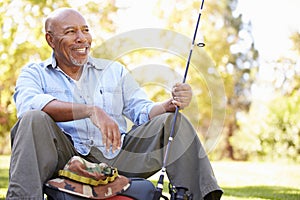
(36, 116)
(33, 118)
(182, 124)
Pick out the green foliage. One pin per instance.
(22, 41)
(272, 133)
(271, 129)
(245, 141)
(21, 37)
(295, 37)
(221, 75)
(281, 135)
(229, 44)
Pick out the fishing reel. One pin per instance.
(179, 193)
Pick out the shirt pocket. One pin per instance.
(59, 93)
(112, 100)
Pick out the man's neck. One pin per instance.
(73, 72)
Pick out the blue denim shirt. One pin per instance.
(103, 83)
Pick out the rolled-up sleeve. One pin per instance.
(40, 101)
(144, 114)
(29, 94)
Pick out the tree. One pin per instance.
(22, 41)
(230, 44)
(295, 38)
(225, 67)
(271, 127)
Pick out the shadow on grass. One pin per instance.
(263, 192)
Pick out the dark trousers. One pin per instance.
(40, 149)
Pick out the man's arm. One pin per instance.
(63, 111)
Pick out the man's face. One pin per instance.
(71, 40)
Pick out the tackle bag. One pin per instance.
(80, 180)
(139, 189)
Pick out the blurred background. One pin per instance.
(245, 80)
(253, 45)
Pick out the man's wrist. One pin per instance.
(168, 106)
(90, 109)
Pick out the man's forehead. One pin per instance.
(70, 21)
(64, 18)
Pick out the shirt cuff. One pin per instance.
(40, 101)
(144, 116)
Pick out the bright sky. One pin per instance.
(273, 21)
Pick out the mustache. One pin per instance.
(81, 46)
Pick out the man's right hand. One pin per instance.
(109, 128)
(64, 111)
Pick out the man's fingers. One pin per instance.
(116, 144)
(104, 138)
(182, 95)
(112, 138)
(108, 140)
(181, 102)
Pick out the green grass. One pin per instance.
(239, 180)
(262, 192)
(258, 181)
(4, 165)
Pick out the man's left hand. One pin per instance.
(182, 95)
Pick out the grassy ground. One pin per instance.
(4, 164)
(239, 180)
(258, 181)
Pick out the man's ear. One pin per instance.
(49, 39)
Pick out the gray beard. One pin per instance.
(78, 63)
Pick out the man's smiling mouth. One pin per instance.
(81, 50)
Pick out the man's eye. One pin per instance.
(70, 32)
(86, 30)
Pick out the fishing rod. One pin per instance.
(159, 187)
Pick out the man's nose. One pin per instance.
(80, 37)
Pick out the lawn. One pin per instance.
(239, 180)
(258, 181)
(4, 164)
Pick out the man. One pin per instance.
(73, 104)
